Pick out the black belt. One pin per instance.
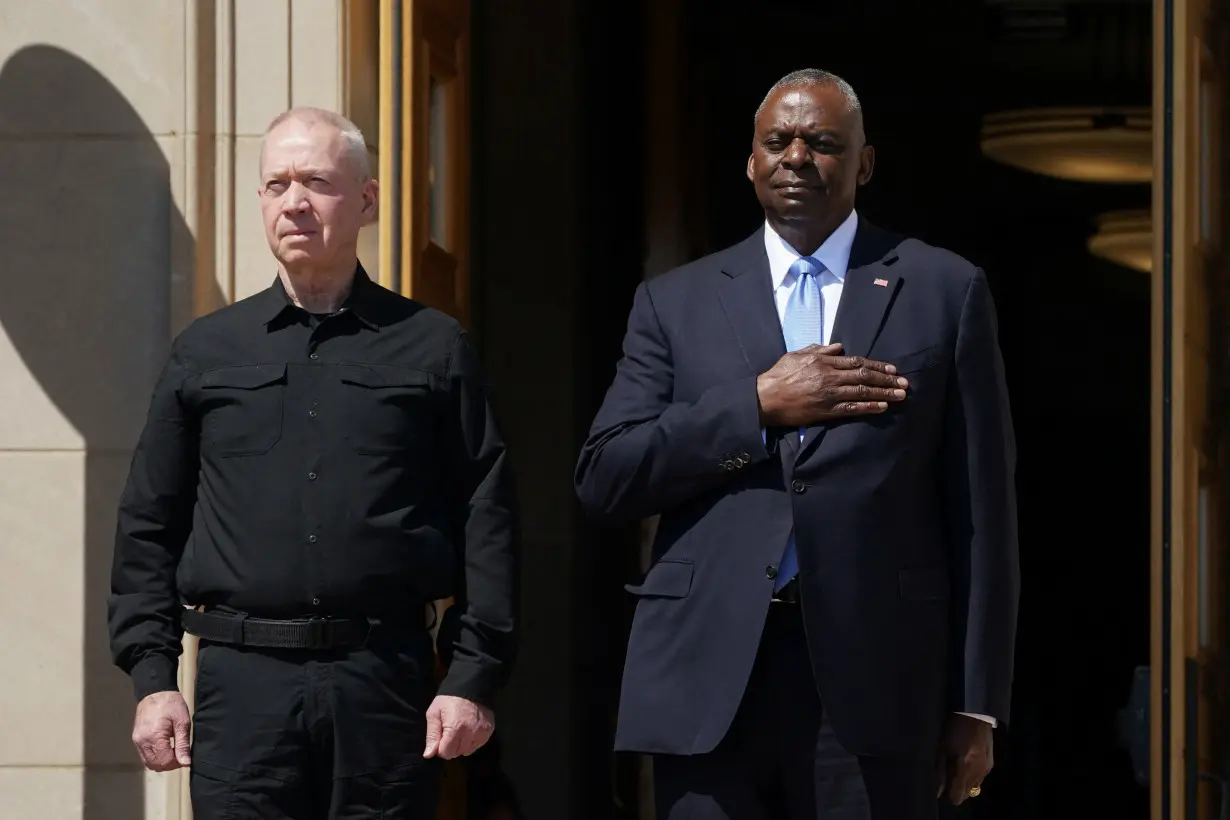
(300, 633)
(789, 594)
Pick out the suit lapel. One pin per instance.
(866, 298)
(747, 297)
(868, 292)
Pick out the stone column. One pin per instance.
(98, 262)
(129, 131)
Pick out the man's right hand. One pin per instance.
(816, 384)
(161, 731)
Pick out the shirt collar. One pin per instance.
(833, 253)
(360, 301)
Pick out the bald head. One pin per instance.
(810, 78)
(317, 192)
(310, 123)
(809, 156)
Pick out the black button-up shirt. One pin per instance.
(295, 465)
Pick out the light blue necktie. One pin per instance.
(802, 325)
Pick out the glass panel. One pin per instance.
(1202, 568)
(437, 170)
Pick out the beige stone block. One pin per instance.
(87, 228)
(186, 200)
(29, 415)
(92, 67)
(262, 63)
(108, 701)
(369, 250)
(316, 54)
(46, 794)
(42, 514)
(255, 266)
(162, 795)
(122, 793)
(74, 793)
(67, 703)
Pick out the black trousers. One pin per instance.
(781, 761)
(304, 735)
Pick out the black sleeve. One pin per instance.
(980, 453)
(153, 523)
(483, 495)
(645, 452)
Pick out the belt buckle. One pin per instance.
(319, 632)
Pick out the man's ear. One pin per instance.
(866, 164)
(371, 201)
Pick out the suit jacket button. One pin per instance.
(770, 572)
(799, 487)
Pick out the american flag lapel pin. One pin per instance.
(881, 282)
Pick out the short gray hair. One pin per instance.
(806, 78)
(354, 144)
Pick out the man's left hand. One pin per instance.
(966, 757)
(457, 727)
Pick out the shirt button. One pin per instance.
(314, 356)
(311, 539)
(312, 413)
(311, 476)
(770, 572)
(799, 487)
(315, 602)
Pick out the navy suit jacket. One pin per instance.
(905, 521)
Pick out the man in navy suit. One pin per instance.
(819, 416)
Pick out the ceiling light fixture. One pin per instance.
(1125, 238)
(1106, 145)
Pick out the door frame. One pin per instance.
(1188, 655)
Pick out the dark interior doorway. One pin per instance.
(565, 150)
(926, 73)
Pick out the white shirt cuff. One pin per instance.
(986, 718)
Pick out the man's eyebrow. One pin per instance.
(274, 173)
(813, 129)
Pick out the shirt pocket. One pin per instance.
(242, 412)
(387, 409)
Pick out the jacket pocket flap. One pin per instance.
(666, 579)
(924, 583)
(246, 377)
(379, 375)
(913, 362)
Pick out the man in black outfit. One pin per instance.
(320, 461)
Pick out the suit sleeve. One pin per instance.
(980, 454)
(152, 525)
(483, 498)
(647, 452)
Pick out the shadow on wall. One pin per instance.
(96, 250)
